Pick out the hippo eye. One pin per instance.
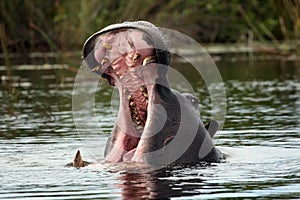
(194, 100)
(149, 59)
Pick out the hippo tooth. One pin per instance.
(129, 97)
(149, 59)
(142, 88)
(107, 46)
(136, 56)
(133, 110)
(145, 94)
(97, 68)
(132, 103)
(104, 61)
(138, 122)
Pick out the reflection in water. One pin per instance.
(261, 135)
(144, 186)
(248, 173)
(157, 185)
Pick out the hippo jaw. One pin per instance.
(135, 123)
(127, 58)
(136, 103)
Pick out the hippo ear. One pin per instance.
(212, 127)
(78, 162)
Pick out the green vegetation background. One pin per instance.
(63, 25)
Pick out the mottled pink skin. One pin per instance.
(124, 45)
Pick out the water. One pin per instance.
(261, 136)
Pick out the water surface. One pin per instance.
(261, 135)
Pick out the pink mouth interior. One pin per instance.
(121, 55)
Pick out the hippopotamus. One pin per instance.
(155, 125)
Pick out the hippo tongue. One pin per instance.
(127, 156)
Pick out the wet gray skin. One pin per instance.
(155, 124)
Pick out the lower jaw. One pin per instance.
(136, 130)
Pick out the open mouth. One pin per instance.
(135, 103)
(155, 125)
(132, 86)
(127, 59)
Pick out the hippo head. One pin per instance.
(134, 57)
